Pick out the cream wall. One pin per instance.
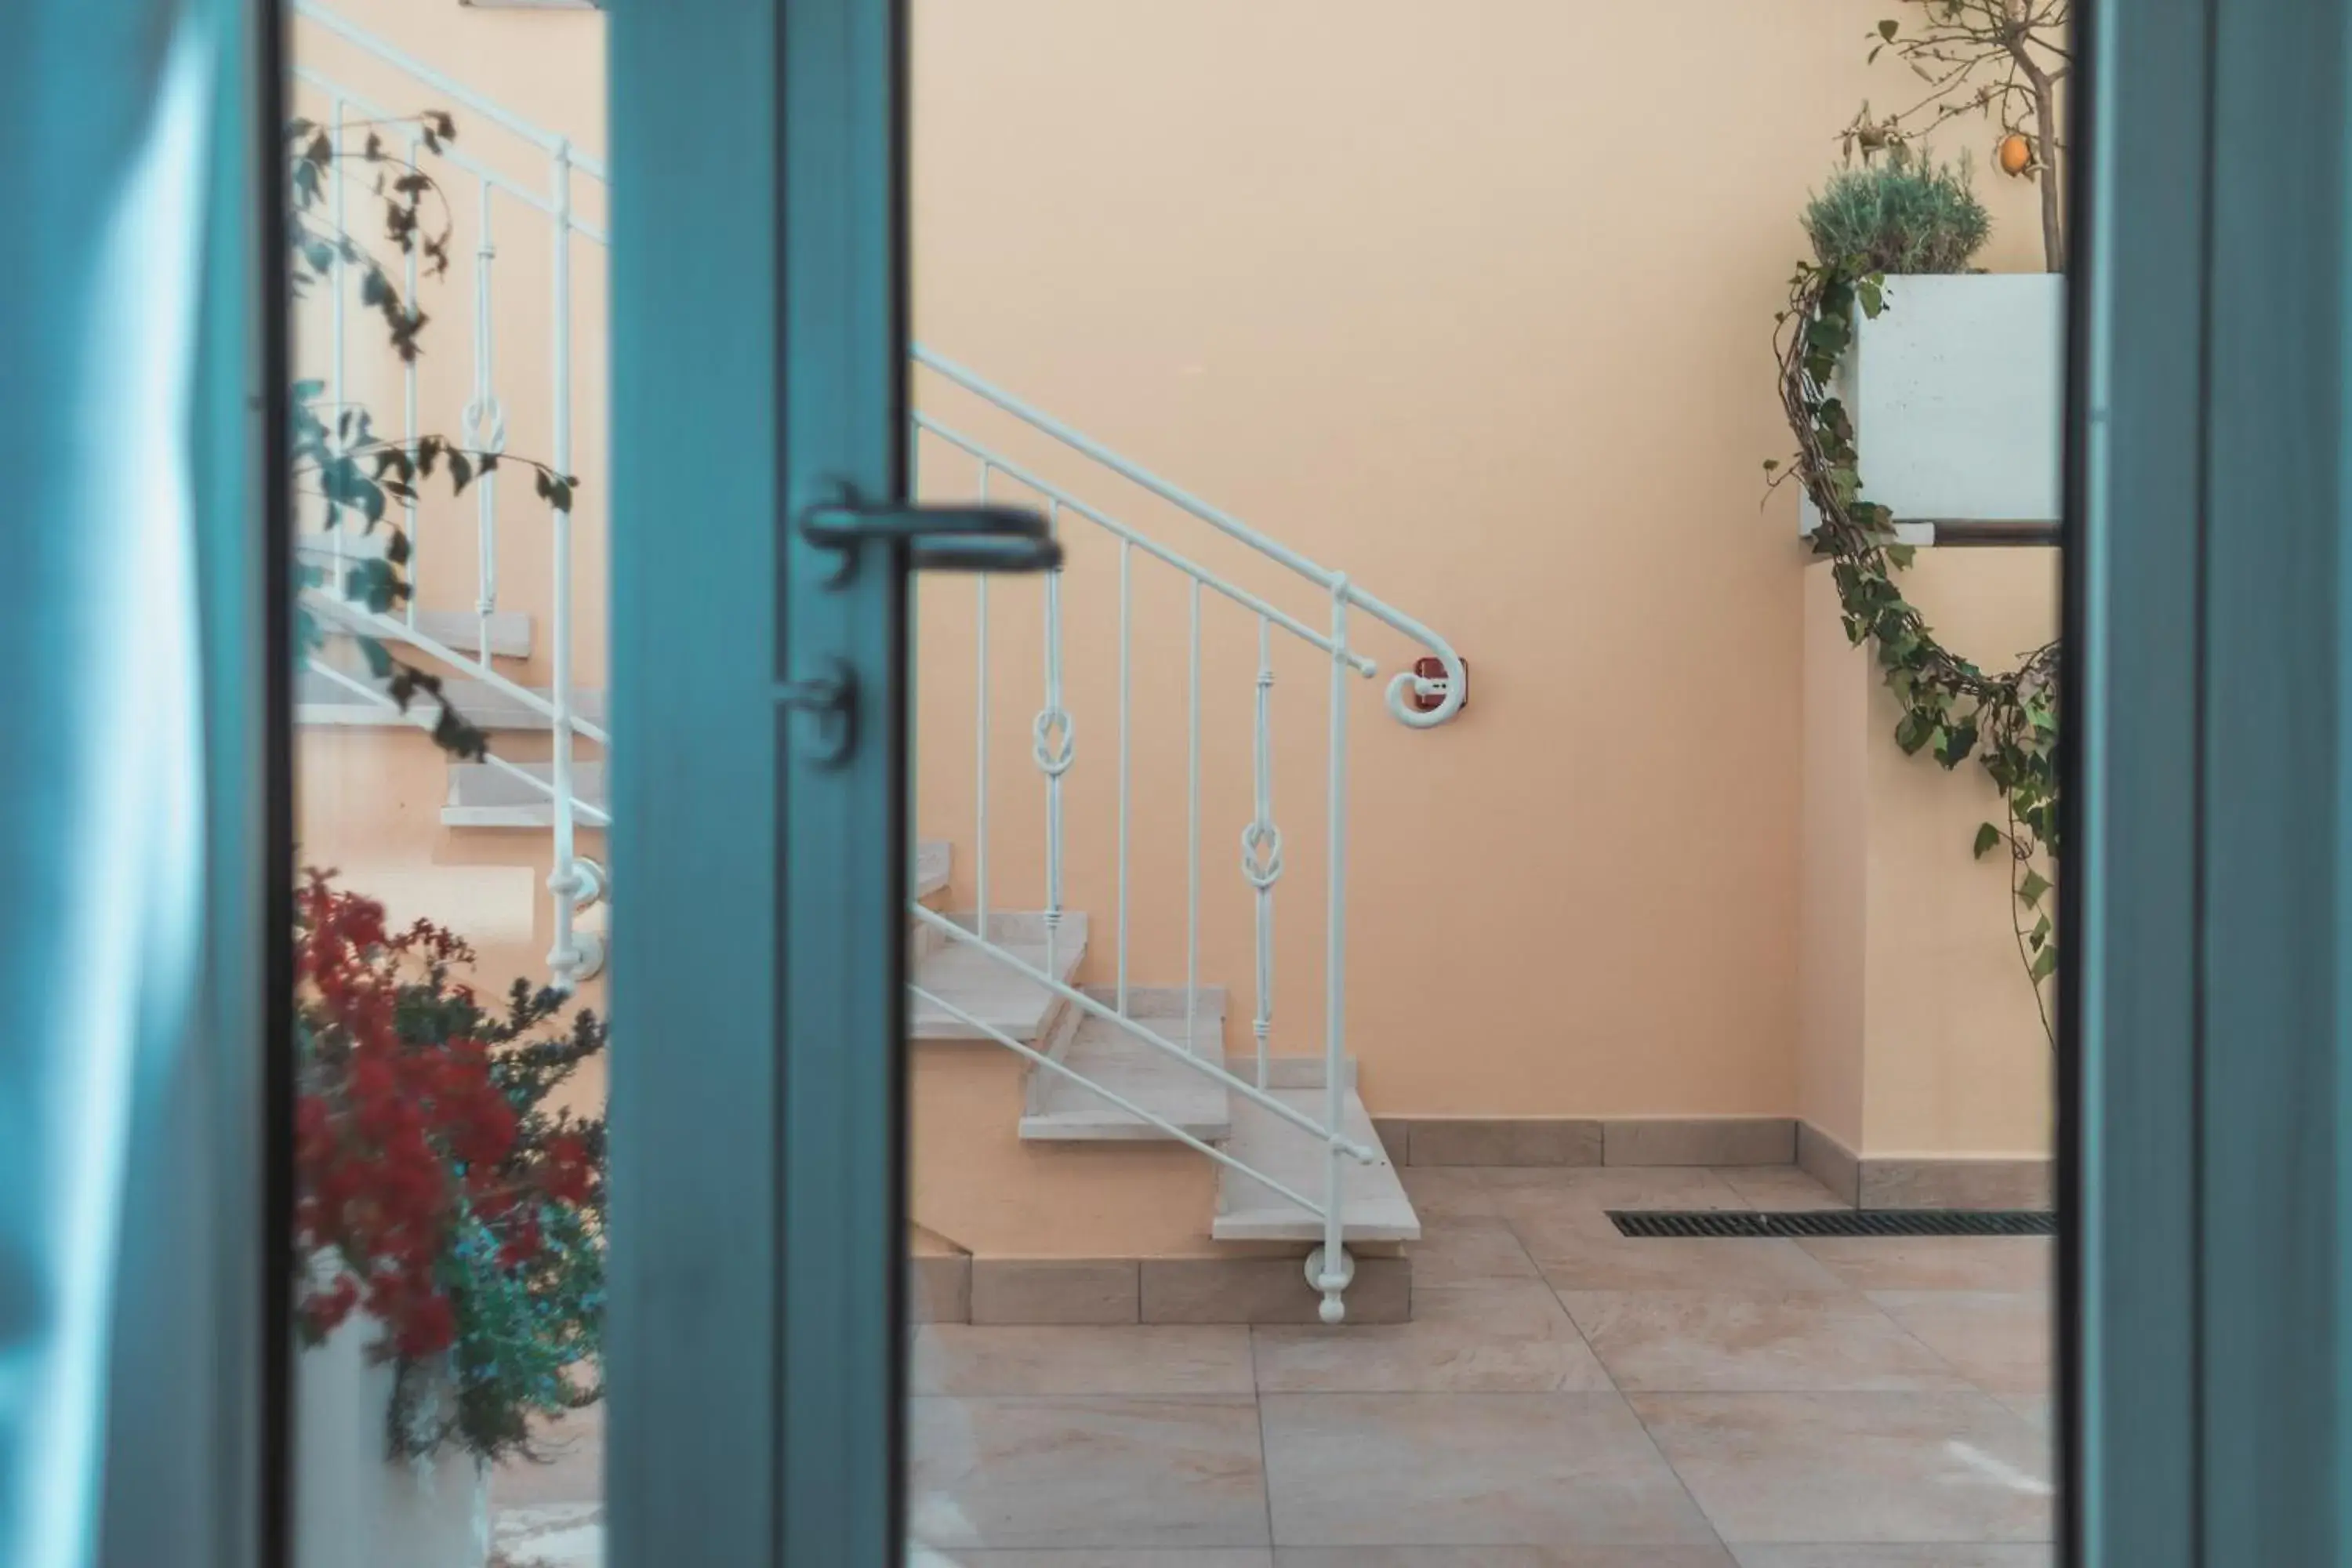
(1918, 1031)
(1955, 1059)
(1471, 302)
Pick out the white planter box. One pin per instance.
(1956, 392)
(353, 1508)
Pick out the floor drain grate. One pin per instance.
(1708, 1223)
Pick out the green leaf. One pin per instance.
(1914, 731)
(379, 658)
(1887, 28)
(461, 472)
(1958, 740)
(2030, 890)
(1987, 836)
(2046, 964)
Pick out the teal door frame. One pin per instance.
(758, 851)
(144, 852)
(2212, 699)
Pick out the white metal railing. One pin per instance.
(1054, 746)
(576, 882)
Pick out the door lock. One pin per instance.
(830, 700)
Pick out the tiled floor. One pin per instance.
(1563, 1398)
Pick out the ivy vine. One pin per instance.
(1952, 708)
(338, 459)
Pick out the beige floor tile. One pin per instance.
(2038, 1408)
(1498, 1337)
(1446, 1192)
(569, 1470)
(1936, 1262)
(552, 1535)
(1457, 1251)
(1130, 1357)
(1581, 1250)
(1469, 1469)
(1852, 1468)
(1538, 1191)
(2000, 1342)
(1085, 1472)
(1700, 1341)
(1231, 1291)
(1214, 1557)
(1782, 1187)
(1502, 1557)
(1947, 1554)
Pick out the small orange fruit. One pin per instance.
(2015, 154)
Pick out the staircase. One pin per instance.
(1112, 1075)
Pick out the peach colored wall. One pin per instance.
(1834, 897)
(975, 1185)
(1919, 1032)
(1471, 302)
(1956, 1061)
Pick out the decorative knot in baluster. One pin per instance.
(1261, 855)
(1054, 740)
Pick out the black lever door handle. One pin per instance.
(938, 538)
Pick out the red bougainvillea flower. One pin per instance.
(404, 1136)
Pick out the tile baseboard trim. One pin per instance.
(1916, 1182)
(1589, 1141)
(1699, 1141)
(1829, 1162)
(1060, 1291)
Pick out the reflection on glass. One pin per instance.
(448, 458)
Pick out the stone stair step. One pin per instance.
(482, 796)
(461, 631)
(977, 983)
(1059, 1110)
(318, 700)
(1373, 1207)
(934, 860)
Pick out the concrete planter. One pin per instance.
(1956, 392)
(352, 1507)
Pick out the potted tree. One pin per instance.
(449, 1228)
(1954, 378)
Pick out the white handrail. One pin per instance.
(361, 618)
(1405, 682)
(448, 87)
(1042, 1059)
(453, 157)
(382, 700)
(1152, 1037)
(1055, 493)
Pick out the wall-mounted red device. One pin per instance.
(1426, 697)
